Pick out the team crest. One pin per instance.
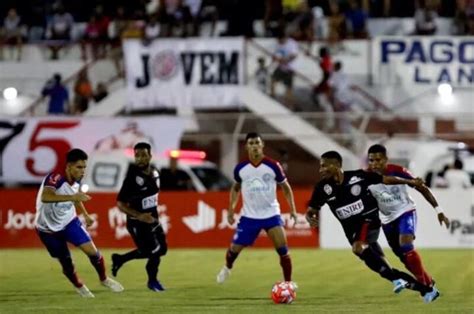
(355, 190)
(328, 189)
(267, 177)
(139, 180)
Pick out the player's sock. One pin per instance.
(415, 266)
(70, 272)
(377, 264)
(285, 262)
(413, 284)
(98, 262)
(152, 267)
(230, 258)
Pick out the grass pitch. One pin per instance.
(330, 281)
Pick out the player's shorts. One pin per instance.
(56, 242)
(286, 77)
(249, 228)
(149, 238)
(405, 224)
(366, 230)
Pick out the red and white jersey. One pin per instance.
(259, 187)
(393, 200)
(53, 217)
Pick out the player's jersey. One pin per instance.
(140, 190)
(393, 200)
(259, 187)
(350, 201)
(53, 217)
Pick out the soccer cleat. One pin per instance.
(399, 285)
(116, 264)
(431, 296)
(155, 286)
(293, 285)
(112, 285)
(85, 292)
(223, 274)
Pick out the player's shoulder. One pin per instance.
(394, 169)
(242, 164)
(55, 179)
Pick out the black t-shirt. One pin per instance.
(351, 200)
(140, 190)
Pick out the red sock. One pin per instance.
(415, 266)
(99, 265)
(70, 272)
(230, 257)
(285, 262)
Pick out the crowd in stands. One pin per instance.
(102, 23)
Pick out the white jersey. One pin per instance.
(53, 217)
(259, 187)
(393, 200)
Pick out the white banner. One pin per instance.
(458, 206)
(31, 148)
(423, 60)
(195, 72)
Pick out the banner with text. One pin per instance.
(423, 60)
(458, 206)
(31, 148)
(190, 220)
(194, 72)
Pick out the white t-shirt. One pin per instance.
(259, 187)
(457, 178)
(288, 48)
(342, 88)
(53, 217)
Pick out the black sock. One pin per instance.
(152, 267)
(413, 284)
(378, 264)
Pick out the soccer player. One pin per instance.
(257, 178)
(57, 222)
(138, 198)
(397, 212)
(348, 197)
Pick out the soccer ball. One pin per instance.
(283, 292)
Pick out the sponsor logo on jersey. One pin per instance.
(150, 201)
(139, 180)
(355, 190)
(328, 189)
(354, 180)
(350, 210)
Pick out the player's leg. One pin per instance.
(246, 233)
(156, 246)
(411, 258)
(118, 260)
(277, 235)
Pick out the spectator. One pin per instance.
(100, 92)
(115, 32)
(302, 26)
(174, 179)
(91, 38)
(261, 75)
(440, 181)
(425, 19)
(12, 33)
(82, 92)
(336, 24)
(357, 21)
(36, 21)
(285, 54)
(342, 97)
(59, 30)
(456, 177)
(175, 18)
(102, 22)
(325, 63)
(58, 96)
(273, 17)
(152, 29)
(461, 20)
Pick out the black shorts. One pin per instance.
(366, 230)
(286, 77)
(149, 238)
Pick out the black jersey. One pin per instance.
(140, 190)
(351, 200)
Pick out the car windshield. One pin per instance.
(212, 178)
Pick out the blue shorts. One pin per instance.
(249, 228)
(405, 224)
(56, 242)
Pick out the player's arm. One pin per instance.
(312, 216)
(49, 195)
(428, 195)
(318, 199)
(390, 180)
(288, 193)
(233, 199)
(144, 217)
(82, 210)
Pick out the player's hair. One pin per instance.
(142, 145)
(332, 154)
(252, 135)
(76, 154)
(377, 148)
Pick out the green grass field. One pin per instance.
(329, 281)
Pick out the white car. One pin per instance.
(106, 172)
